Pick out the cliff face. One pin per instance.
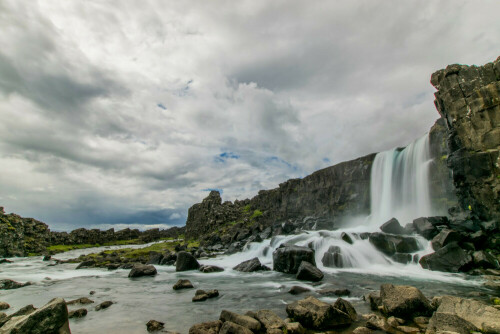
(468, 98)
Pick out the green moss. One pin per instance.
(247, 208)
(496, 301)
(256, 213)
(444, 157)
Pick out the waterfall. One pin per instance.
(400, 184)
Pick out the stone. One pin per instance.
(485, 260)
(344, 236)
(295, 290)
(251, 266)
(377, 322)
(80, 313)
(425, 228)
(46, 258)
(104, 305)
(211, 327)
(404, 301)
(229, 327)
(393, 227)
(288, 259)
(445, 237)
(140, 270)
(450, 258)
(186, 261)
(375, 301)
(154, 326)
(269, 320)
(50, 318)
(202, 295)
(464, 316)
(334, 292)
(333, 260)
(308, 272)
(155, 258)
(86, 264)
(313, 313)
(294, 328)
(4, 306)
(395, 322)
(241, 320)
(362, 330)
(403, 258)
(210, 269)
(408, 329)
(183, 284)
(346, 307)
(82, 300)
(7, 284)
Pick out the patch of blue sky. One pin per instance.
(224, 156)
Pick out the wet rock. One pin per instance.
(445, 237)
(294, 328)
(7, 284)
(46, 258)
(51, 318)
(377, 322)
(295, 290)
(155, 258)
(450, 258)
(210, 269)
(5, 261)
(375, 301)
(186, 261)
(113, 266)
(86, 264)
(241, 320)
(83, 300)
(334, 292)
(425, 227)
(202, 295)
(212, 327)
(346, 237)
(362, 330)
(288, 259)
(485, 260)
(139, 270)
(269, 320)
(4, 306)
(229, 327)
(346, 307)
(464, 316)
(251, 266)
(408, 329)
(183, 284)
(154, 326)
(393, 227)
(333, 258)
(313, 313)
(104, 305)
(404, 301)
(403, 258)
(383, 243)
(308, 272)
(80, 313)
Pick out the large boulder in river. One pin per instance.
(52, 318)
(450, 258)
(140, 270)
(464, 316)
(308, 272)
(287, 259)
(242, 320)
(393, 227)
(269, 320)
(313, 313)
(8, 284)
(212, 327)
(333, 258)
(230, 327)
(390, 244)
(404, 301)
(485, 260)
(251, 266)
(427, 226)
(445, 237)
(186, 261)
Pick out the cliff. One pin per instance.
(468, 99)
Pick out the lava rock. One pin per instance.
(485, 260)
(186, 261)
(154, 326)
(445, 237)
(140, 270)
(450, 258)
(251, 266)
(346, 307)
(425, 228)
(404, 301)
(202, 295)
(183, 284)
(346, 237)
(308, 272)
(295, 290)
(333, 258)
(383, 243)
(393, 227)
(403, 258)
(155, 258)
(104, 305)
(334, 292)
(80, 313)
(287, 259)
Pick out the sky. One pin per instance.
(126, 113)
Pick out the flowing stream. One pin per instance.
(399, 188)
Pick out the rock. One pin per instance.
(51, 318)
(288, 259)
(308, 272)
(183, 284)
(83, 300)
(154, 326)
(229, 327)
(86, 264)
(362, 330)
(450, 258)
(377, 322)
(313, 313)
(347, 308)
(251, 266)
(5, 261)
(404, 301)
(383, 243)
(4, 306)
(403, 258)
(210, 269)
(485, 260)
(186, 261)
(445, 237)
(104, 305)
(334, 292)
(464, 316)
(395, 322)
(241, 320)
(375, 301)
(294, 328)
(344, 236)
(333, 258)
(202, 295)
(212, 327)
(425, 228)
(269, 320)
(155, 258)
(408, 329)
(46, 258)
(7, 284)
(80, 313)
(393, 227)
(295, 290)
(140, 270)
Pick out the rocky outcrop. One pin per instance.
(404, 301)
(287, 259)
(468, 99)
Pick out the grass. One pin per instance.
(54, 249)
(256, 213)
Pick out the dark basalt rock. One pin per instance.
(427, 226)
(251, 266)
(308, 272)
(7, 284)
(186, 261)
(404, 301)
(80, 313)
(86, 264)
(347, 308)
(334, 292)
(450, 258)
(202, 295)
(403, 258)
(104, 305)
(485, 260)
(154, 326)
(383, 243)
(210, 269)
(315, 314)
(288, 259)
(295, 290)
(445, 237)
(393, 227)
(183, 284)
(82, 300)
(140, 270)
(344, 236)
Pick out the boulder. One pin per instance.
(334, 292)
(186, 261)
(183, 284)
(86, 264)
(28, 309)
(403, 258)
(287, 259)
(346, 237)
(104, 305)
(313, 313)
(155, 258)
(485, 260)
(450, 258)
(404, 301)
(269, 320)
(383, 243)
(80, 313)
(375, 301)
(139, 270)
(445, 237)
(241, 320)
(154, 326)
(202, 295)
(51, 318)
(8, 284)
(464, 316)
(362, 330)
(393, 227)
(46, 258)
(425, 227)
(333, 258)
(210, 269)
(4, 306)
(212, 327)
(82, 300)
(294, 328)
(377, 322)
(346, 307)
(295, 290)
(251, 266)
(308, 272)
(230, 327)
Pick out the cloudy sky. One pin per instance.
(128, 112)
